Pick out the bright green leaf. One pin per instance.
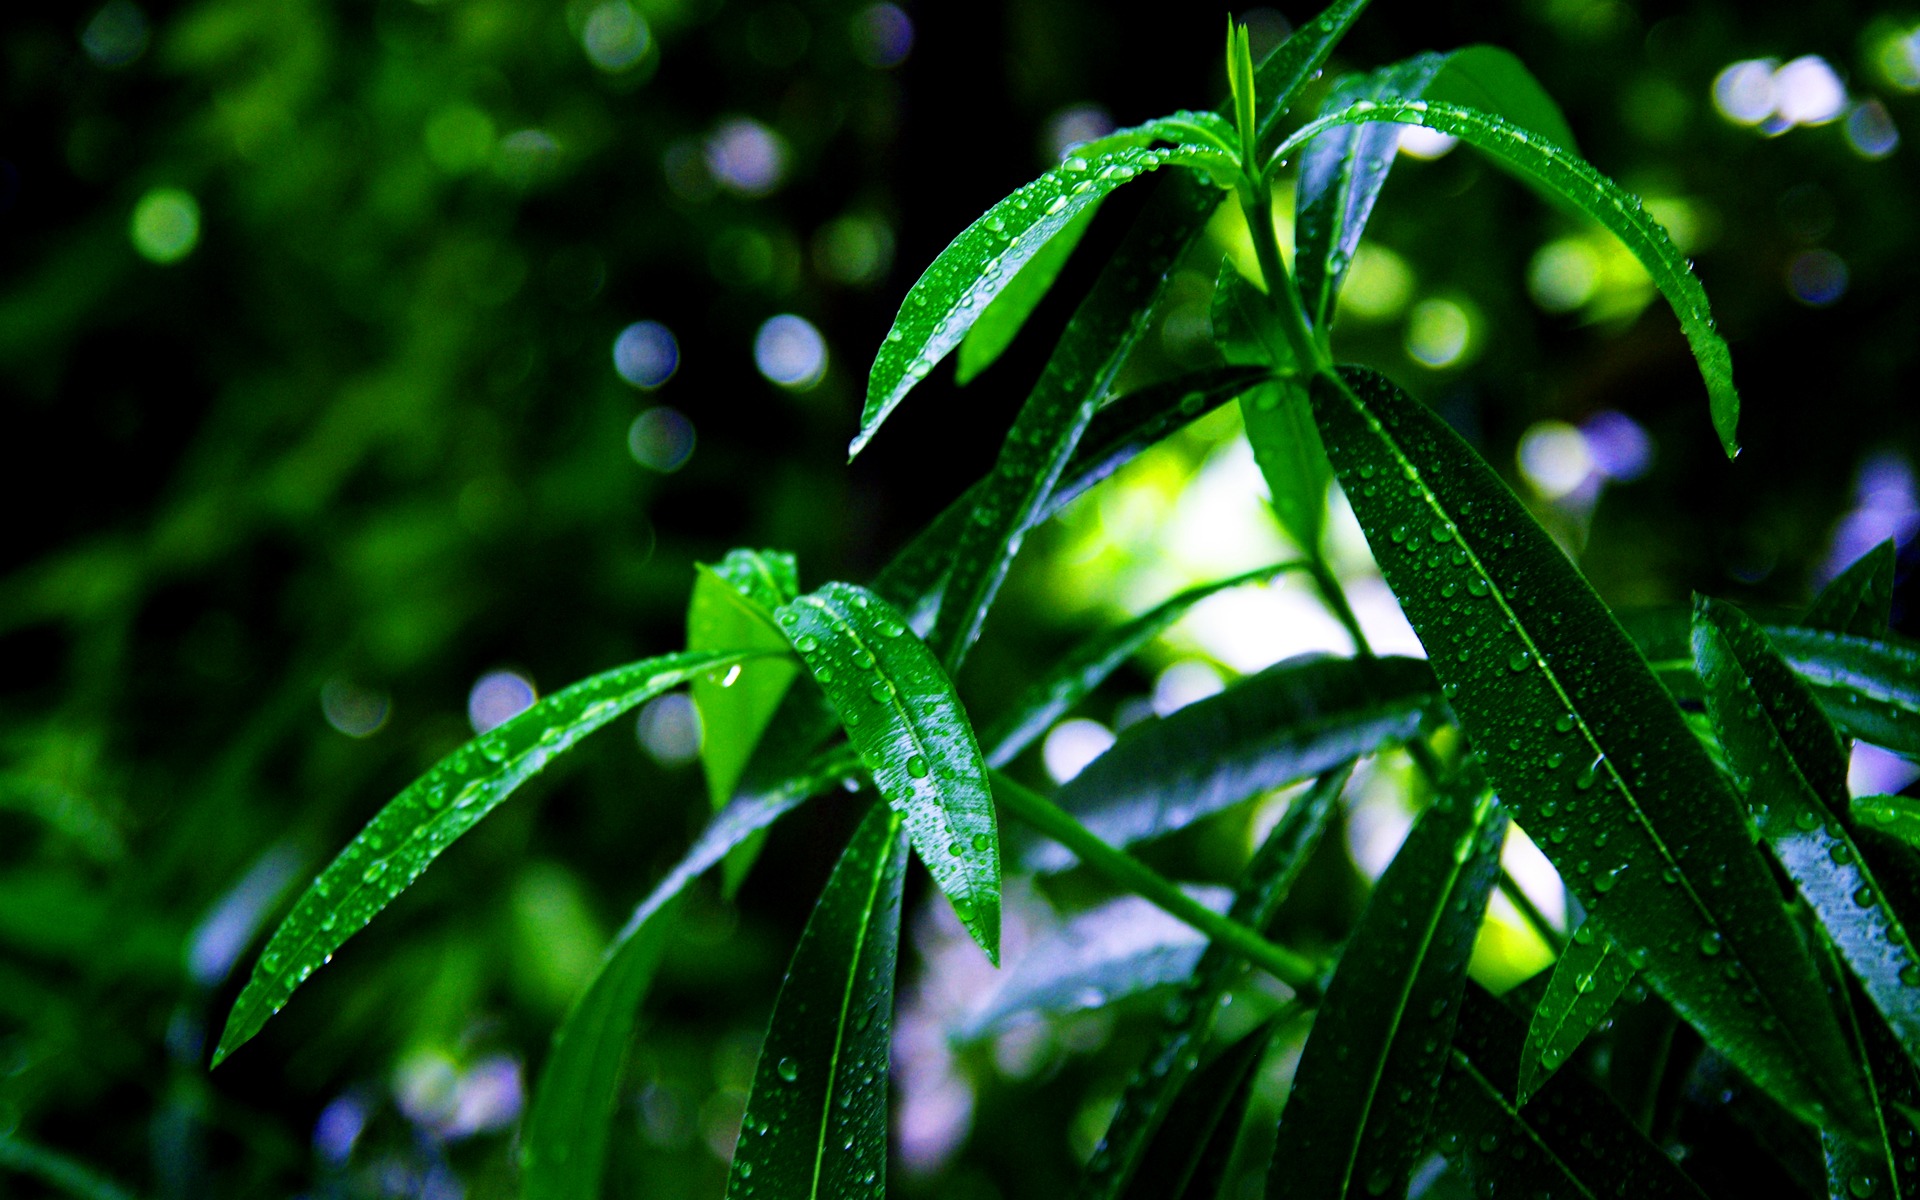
(1003, 319)
(732, 608)
(1586, 981)
(1896, 815)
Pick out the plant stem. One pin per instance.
(1336, 598)
(1297, 971)
(1256, 196)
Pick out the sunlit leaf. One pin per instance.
(1793, 769)
(1003, 319)
(1859, 601)
(563, 1143)
(1577, 735)
(1189, 1155)
(899, 710)
(816, 1120)
(411, 831)
(1588, 978)
(1356, 1119)
(1287, 723)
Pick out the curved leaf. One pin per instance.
(1290, 721)
(1794, 769)
(1356, 1119)
(816, 1121)
(1895, 815)
(563, 1143)
(1598, 197)
(1870, 686)
(1190, 1154)
(1585, 982)
(406, 836)
(899, 710)
(1859, 601)
(732, 609)
(1580, 738)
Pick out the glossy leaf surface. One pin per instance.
(1356, 1119)
(732, 609)
(1280, 79)
(899, 710)
(1189, 1155)
(406, 836)
(1589, 976)
(1895, 815)
(1003, 319)
(1583, 742)
(1794, 769)
(816, 1121)
(1859, 601)
(1888, 1166)
(1289, 722)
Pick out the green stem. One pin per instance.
(1336, 598)
(1256, 199)
(1297, 971)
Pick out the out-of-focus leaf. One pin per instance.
(1579, 737)
(1859, 601)
(816, 1121)
(900, 711)
(1793, 768)
(1088, 665)
(1289, 722)
(1188, 1157)
(1570, 1140)
(406, 836)
(1356, 1120)
(1585, 982)
(1279, 426)
(1162, 1075)
(1897, 815)
(58, 1171)
(563, 1144)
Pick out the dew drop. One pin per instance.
(787, 1069)
(917, 766)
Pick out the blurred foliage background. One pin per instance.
(368, 367)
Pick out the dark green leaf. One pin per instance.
(1580, 738)
(1794, 771)
(564, 1140)
(1568, 1141)
(1278, 424)
(1587, 979)
(816, 1121)
(732, 609)
(66, 1175)
(1188, 1157)
(899, 709)
(1356, 1119)
(1870, 686)
(1289, 722)
(1163, 1073)
(1855, 1171)
(1859, 601)
(1089, 664)
(1896, 815)
(411, 831)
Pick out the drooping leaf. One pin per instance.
(816, 1120)
(1356, 1119)
(1088, 665)
(1579, 737)
(406, 836)
(1859, 601)
(900, 711)
(66, 1175)
(563, 1143)
(1896, 815)
(1581, 991)
(732, 609)
(1598, 197)
(1494, 80)
(1189, 1155)
(1569, 1140)
(1289, 722)
(1162, 1075)
(1794, 771)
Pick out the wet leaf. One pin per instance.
(1278, 423)
(1356, 1119)
(1003, 319)
(406, 836)
(900, 711)
(1859, 601)
(1586, 981)
(1291, 721)
(1189, 1155)
(1855, 1171)
(1895, 815)
(1588, 749)
(816, 1121)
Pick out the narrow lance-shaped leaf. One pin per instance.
(1586, 981)
(1287, 723)
(1794, 770)
(1579, 737)
(1279, 426)
(1189, 1155)
(1295, 63)
(1859, 601)
(1895, 815)
(1162, 1076)
(900, 711)
(1887, 1167)
(1356, 1119)
(816, 1120)
(563, 1144)
(1598, 197)
(406, 836)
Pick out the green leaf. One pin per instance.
(1855, 1171)
(1160, 1079)
(1356, 1119)
(67, 1175)
(1579, 737)
(1585, 982)
(564, 1140)
(411, 831)
(1896, 815)
(732, 608)
(1297, 62)
(1088, 665)
(1494, 80)
(816, 1121)
(1240, 81)
(1794, 771)
(900, 711)
(1597, 196)
(1569, 1141)
(994, 330)
(1289, 722)
(1190, 1154)
(1859, 601)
